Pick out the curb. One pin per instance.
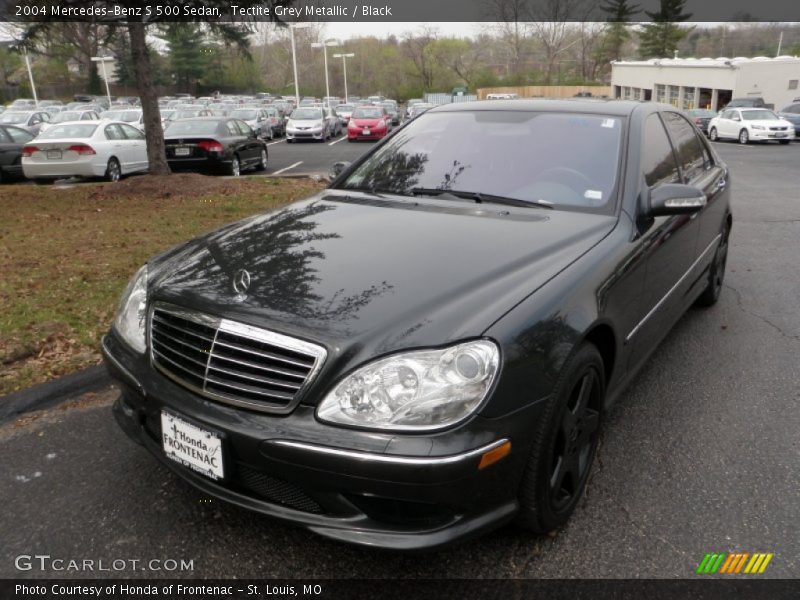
(54, 392)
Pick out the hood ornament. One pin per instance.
(241, 282)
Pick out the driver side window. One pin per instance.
(659, 164)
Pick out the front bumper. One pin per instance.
(756, 134)
(292, 134)
(385, 490)
(358, 134)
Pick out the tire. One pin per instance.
(744, 137)
(784, 142)
(262, 164)
(716, 274)
(712, 135)
(113, 171)
(235, 168)
(564, 446)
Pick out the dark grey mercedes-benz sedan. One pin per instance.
(426, 349)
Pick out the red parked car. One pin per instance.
(368, 123)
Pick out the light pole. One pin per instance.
(30, 77)
(103, 60)
(324, 45)
(344, 58)
(292, 27)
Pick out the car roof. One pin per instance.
(574, 105)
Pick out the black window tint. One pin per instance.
(658, 162)
(131, 132)
(689, 148)
(3, 137)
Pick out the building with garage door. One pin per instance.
(707, 82)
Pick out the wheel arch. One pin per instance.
(602, 336)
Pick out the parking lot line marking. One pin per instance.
(273, 143)
(298, 163)
(341, 139)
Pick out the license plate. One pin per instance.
(54, 155)
(780, 135)
(366, 131)
(192, 446)
(183, 151)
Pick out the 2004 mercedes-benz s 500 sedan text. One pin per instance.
(425, 350)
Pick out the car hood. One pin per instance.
(306, 123)
(365, 122)
(770, 123)
(367, 276)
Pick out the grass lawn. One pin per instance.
(66, 255)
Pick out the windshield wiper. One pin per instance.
(480, 197)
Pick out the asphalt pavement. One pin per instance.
(310, 157)
(701, 454)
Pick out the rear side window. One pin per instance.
(20, 136)
(658, 163)
(113, 132)
(687, 145)
(232, 128)
(244, 128)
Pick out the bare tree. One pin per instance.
(550, 22)
(512, 29)
(416, 48)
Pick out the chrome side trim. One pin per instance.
(113, 360)
(387, 459)
(672, 289)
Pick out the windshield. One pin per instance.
(345, 108)
(12, 117)
(70, 131)
(367, 112)
(758, 115)
(307, 114)
(191, 128)
(560, 159)
(246, 115)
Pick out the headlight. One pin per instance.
(413, 391)
(131, 313)
(757, 126)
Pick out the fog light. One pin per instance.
(495, 454)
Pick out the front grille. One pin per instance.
(276, 490)
(778, 128)
(232, 362)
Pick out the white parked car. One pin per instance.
(750, 125)
(107, 149)
(309, 123)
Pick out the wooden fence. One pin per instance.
(547, 91)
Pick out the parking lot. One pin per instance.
(701, 454)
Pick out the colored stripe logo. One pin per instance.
(734, 563)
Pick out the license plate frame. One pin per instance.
(193, 446)
(54, 154)
(366, 131)
(183, 151)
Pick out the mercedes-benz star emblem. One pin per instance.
(241, 281)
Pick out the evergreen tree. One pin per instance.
(619, 17)
(186, 52)
(660, 38)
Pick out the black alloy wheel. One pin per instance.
(564, 445)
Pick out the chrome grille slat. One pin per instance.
(231, 362)
(161, 323)
(252, 365)
(261, 354)
(164, 346)
(255, 378)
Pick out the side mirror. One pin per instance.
(676, 199)
(337, 168)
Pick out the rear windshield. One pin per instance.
(69, 131)
(565, 160)
(191, 128)
(366, 112)
(66, 115)
(345, 108)
(129, 116)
